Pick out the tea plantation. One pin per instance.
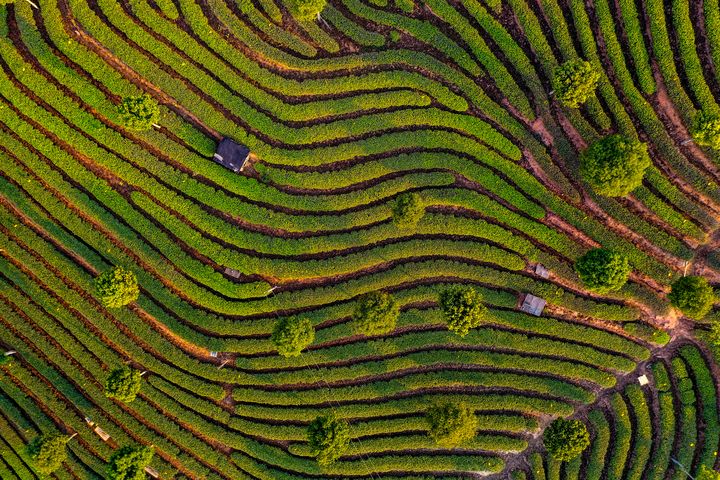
(471, 239)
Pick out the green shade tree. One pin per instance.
(139, 112)
(615, 165)
(566, 439)
(451, 424)
(706, 130)
(123, 383)
(705, 473)
(602, 270)
(407, 210)
(574, 82)
(128, 463)
(291, 335)
(117, 287)
(306, 9)
(463, 308)
(329, 438)
(48, 452)
(693, 296)
(376, 313)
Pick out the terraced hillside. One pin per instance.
(346, 114)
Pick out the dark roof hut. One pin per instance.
(231, 154)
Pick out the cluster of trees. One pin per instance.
(615, 165)
(449, 425)
(117, 287)
(376, 313)
(48, 452)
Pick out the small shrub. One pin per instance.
(329, 438)
(566, 439)
(117, 287)
(128, 463)
(139, 112)
(463, 309)
(123, 383)
(376, 313)
(407, 210)
(451, 424)
(602, 270)
(291, 335)
(574, 82)
(706, 130)
(615, 165)
(48, 452)
(693, 296)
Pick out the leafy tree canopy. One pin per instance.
(574, 82)
(705, 473)
(139, 112)
(123, 383)
(48, 452)
(291, 335)
(706, 130)
(615, 165)
(329, 438)
(128, 463)
(407, 210)
(566, 439)
(117, 287)
(306, 9)
(376, 313)
(693, 296)
(451, 424)
(603, 270)
(463, 309)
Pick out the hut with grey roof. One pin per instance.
(231, 155)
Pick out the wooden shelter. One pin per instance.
(231, 155)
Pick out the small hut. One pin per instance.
(231, 155)
(541, 270)
(533, 305)
(102, 433)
